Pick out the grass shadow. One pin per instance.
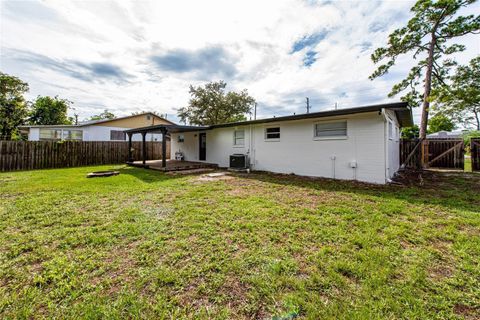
(453, 190)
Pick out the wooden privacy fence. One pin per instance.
(475, 153)
(410, 153)
(445, 153)
(448, 153)
(29, 155)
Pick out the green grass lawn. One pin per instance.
(148, 245)
(468, 164)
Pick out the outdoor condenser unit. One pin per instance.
(238, 161)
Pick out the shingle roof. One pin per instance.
(401, 109)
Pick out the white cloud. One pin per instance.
(142, 55)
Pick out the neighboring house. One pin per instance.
(98, 130)
(354, 144)
(446, 135)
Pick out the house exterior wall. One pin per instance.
(102, 133)
(297, 151)
(34, 134)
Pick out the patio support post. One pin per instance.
(164, 148)
(144, 148)
(130, 159)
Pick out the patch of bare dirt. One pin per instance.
(118, 263)
(215, 176)
(436, 179)
(467, 312)
(191, 171)
(235, 291)
(440, 271)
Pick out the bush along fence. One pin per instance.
(29, 155)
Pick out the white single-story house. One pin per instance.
(353, 144)
(97, 130)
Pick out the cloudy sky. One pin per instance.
(129, 56)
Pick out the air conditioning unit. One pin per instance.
(238, 161)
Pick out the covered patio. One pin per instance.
(164, 164)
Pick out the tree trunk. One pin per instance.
(428, 88)
(477, 119)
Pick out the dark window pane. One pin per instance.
(273, 130)
(117, 135)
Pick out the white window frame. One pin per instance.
(180, 138)
(317, 138)
(272, 139)
(235, 144)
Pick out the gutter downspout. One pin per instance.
(385, 146)
(251, 149)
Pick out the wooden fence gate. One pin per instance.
(475, 153)
(448, 153)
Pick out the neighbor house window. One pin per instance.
(50, 134)
(272, 133)
(72, 135)
(60, 134)
(336, 129)
(239, 138)
(117, 135)
(181, 138)
(390, 130)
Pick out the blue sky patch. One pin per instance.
(310, 58)
(309, 41)
(208, 61)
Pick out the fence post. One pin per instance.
(130, 159)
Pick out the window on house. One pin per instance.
(60, 134)
(149, 117)
(272, 133)
(117, 135)
(72, 135)
(335, 129)
(239, 138)
(50, 134)
(390, 130)
(181, 138)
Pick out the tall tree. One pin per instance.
(105, 115)
(211, 105)
(13, 108)
(50, 111)
(410, 132)
(428, 34)
(461, 99)
(440, 122)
